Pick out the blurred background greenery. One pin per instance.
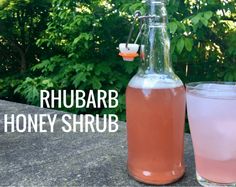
(70, 44)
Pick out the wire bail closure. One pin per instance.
(137, 14)
(138, 17)
(130, 50)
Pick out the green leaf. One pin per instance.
(204, 21)
(229, 77)
(173, 27)
(188, 44)
(173, 45)
(130, 67)
(180, 45)
(96, 83)
(82, 37)
(90, 67)
(208, 14)
(195, 20)
(103, 68)
(181, 25)
(81, 77)
(76, 40)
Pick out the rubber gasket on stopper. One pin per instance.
(130, 56)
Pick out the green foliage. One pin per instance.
(21, 23)
(200, 33)
(7, 87)
(87, 57)
(30, 88)
(72, 45)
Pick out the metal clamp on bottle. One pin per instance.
(129, 51)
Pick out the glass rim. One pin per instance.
(193, 86)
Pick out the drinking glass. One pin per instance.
(212, 120)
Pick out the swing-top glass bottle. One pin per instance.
(155, 100)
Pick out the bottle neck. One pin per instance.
(156, 40)
(157, 10)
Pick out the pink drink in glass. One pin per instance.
(212, 118)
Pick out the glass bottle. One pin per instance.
(155, 100)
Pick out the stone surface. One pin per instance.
(69, 159)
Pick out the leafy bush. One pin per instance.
(79, 47)
(30, 88)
